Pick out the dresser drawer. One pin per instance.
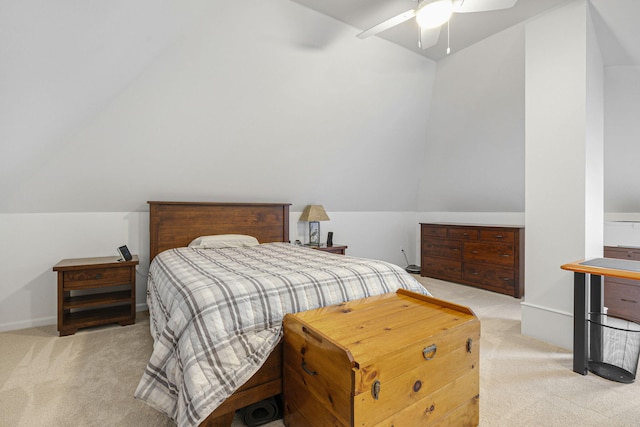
(623, 300)
(622, 253)
(92, 278)
(492, 253)
(442, 248)
(463, 234)
(441, 268)
(504, 236)
(619, 281)
(500, 277)
(434, 231)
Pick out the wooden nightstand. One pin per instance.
(95, 291)
(335, 249)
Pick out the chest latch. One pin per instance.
(375, 390)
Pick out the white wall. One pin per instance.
(376, 235)
(200, 100)
(622, 136)
(34, 243)
(564, 200)
(107, 105)
(622, 233)
(474, 161)
(594, 142)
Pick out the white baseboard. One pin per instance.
(548, 325)
(31, 323)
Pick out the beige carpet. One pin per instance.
(88, 379)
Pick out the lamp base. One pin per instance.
(314, 233)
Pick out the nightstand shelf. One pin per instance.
(75, 320)
(106, 298)
(95, 291)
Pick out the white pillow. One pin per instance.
(224, 241)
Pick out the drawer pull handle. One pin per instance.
(469, 345)
(475, 273)
(475, 252)
(504, 255)
(307, 370)
(629, 300)
(98, 276)
(429, 352)
(499, 236)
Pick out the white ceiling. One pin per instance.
(615, 22)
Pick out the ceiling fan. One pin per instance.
(431, 14)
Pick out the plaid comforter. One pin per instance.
(216, 315)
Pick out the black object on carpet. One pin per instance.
(262, 412)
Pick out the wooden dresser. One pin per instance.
(487, 257)
(398, 359)
(622, 296)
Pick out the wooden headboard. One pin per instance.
(176, 224)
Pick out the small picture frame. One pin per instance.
(314, 233)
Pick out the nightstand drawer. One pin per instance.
(96, 277)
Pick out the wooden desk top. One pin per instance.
(612, 267)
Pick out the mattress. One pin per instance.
(216, 315)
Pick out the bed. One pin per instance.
(216, 311)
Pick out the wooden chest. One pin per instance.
(399, 359)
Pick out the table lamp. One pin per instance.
(314, 214)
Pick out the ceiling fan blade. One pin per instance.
(392, 22)
(429, 37)
(469, 6)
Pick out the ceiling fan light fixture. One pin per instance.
(434, 14)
